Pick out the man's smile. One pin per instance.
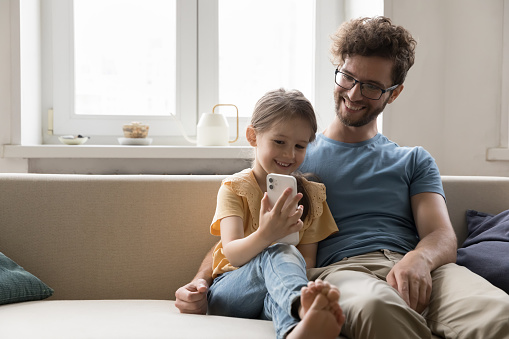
(351, 106)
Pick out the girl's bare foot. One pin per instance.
(320, 313)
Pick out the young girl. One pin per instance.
(253, 277)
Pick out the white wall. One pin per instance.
(6, 91)
(452, 98)
(450, 104)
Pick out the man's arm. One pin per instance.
(192, 298)
(437, 247)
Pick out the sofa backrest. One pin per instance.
(108, 237)
(480, 193)
(142, 236)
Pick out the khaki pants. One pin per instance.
(462, 304)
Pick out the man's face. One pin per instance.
(352, 108)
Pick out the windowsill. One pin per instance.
(155, 152)
(497, 154)
(126, 152)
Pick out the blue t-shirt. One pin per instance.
(369, 185)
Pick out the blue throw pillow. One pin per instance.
(18, 285)
(486, 249)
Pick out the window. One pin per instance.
(277, 53)
(116, 61)
(127, 67)
(164, 62)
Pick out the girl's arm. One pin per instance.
(275, 223)
(237, 249)
(308, 251)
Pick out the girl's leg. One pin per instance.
(320, 314)
(284, 271)
(238, 293)
(279, 270)
(269, 287)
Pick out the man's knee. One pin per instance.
(377, 316)
(375, 306)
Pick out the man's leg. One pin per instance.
(465, 305)
(373, 309)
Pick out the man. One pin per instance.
(393, 257)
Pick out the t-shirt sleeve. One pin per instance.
(426, 175)
(228, 204)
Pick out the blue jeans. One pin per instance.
(264, 288)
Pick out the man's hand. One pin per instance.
(192, 298)
(411, 277)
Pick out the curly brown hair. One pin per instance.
(375, 36)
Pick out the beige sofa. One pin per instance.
(116, 248)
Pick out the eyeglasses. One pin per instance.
(367, 90)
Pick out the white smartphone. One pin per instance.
(276, 185)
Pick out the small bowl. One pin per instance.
(135, 141)
(73, 140)
(135, 130)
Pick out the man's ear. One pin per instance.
(251, 135)
(395, 93)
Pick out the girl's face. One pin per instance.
(281, 149)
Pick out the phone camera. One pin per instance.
(271, 180)
(271, 187)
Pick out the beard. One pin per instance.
(363, 120)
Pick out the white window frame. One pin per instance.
(196, 78)
(502, 151)
(59, 80)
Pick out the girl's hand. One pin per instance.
(275, 223)
(282, 219)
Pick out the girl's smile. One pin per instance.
(281, 149)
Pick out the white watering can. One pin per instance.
(213, 129)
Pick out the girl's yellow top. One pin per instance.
(240, 195)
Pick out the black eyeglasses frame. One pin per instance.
(355, 82)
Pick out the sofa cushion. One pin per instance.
(18, 285)
(485, 249)
(126, 319)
